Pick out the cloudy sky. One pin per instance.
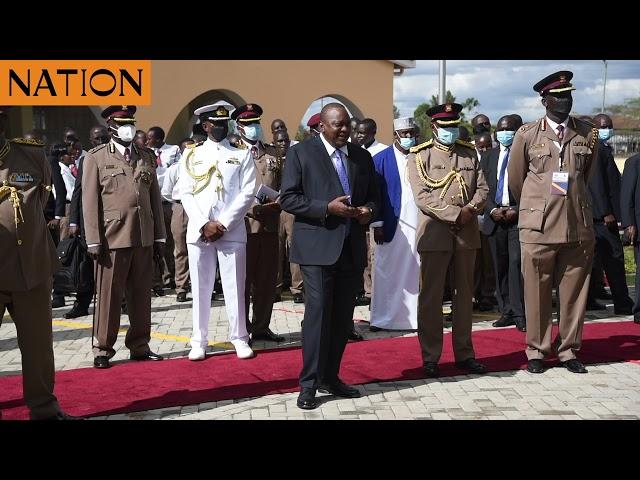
(506, 86)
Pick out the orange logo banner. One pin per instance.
(75, 82)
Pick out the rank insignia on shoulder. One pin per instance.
(99, 147)
(422, 146)
(28, 141)
(233, 161)
(466, 144)
(25, 177)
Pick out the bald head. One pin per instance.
(335, 124)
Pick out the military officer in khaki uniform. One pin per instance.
(262, 222)
(548, 170)
(124, 228)
(450, 191)
(27, 263)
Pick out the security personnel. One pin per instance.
(450, 191)
(314, 125)
(216, 184)
(124, 228)
(263, 222)
(549, 166)
(27, 263)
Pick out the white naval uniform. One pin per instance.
(229, 208)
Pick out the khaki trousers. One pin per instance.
(568, 268)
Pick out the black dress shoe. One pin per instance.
(362, 300)
(307, 399)
(171, 285)
(146, 356)
(604, 295)
(355, 336)
(521, 324)
(595, 306)
(535, 366)
(158, 291)
(181, 297)
(57, 302)
(472, 366)
(622, 310)
(431, 369)
(101, 362)
(504, 321)
(268, 336)
(298, 298)
(340, 389)
(574, 365)
(76, 312)
(373, 328)
(60, 416)
(636, 320)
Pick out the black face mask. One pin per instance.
(219, 132)
(561, 105)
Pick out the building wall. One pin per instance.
(284, 89)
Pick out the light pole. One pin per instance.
(442, 75)
(604, 86)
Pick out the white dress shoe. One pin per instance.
(243, 350)
(196, 353)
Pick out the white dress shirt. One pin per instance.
(554, 126)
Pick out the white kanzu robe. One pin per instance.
(394, 303)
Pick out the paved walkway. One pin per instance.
(609, 391)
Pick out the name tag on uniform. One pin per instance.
(560, 183)
(233, 161)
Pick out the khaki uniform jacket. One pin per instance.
(28, 253)
(545, 218)
(269, 173)
(440, 205)
(121, 201)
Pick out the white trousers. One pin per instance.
(232, 257)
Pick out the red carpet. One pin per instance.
(136, 386)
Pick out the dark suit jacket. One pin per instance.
(489, 165)
(56, 206)
(630, 192)
(604, 185)
(76, 200)
(309, 183)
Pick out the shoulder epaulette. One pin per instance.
(466, 144)
(27, 141)
(422, 146)
(528, 125)
(98, 147)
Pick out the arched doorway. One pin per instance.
(184, 121)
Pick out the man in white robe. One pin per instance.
(397, 263)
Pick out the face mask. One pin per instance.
(219, 132)
(253, 132)
(448, 136)
(505, 137)
(605, 133)
(407, 143)
(125, 132)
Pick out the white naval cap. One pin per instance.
(404, 123)
(217, 111)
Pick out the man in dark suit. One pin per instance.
(630, 215)
(330, 187)
(604, 187)
(501, 227)
(98, 136)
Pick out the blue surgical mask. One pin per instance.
(505, 137)
(448, 136)
(605, 134)
(253, 132)
(407, 142)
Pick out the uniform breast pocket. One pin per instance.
(581, 156)
(539, 158)
(228, 170)
(110, 178)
